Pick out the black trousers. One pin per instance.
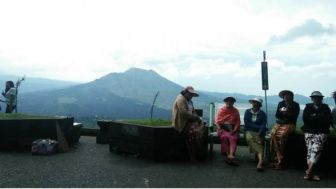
(8, 110)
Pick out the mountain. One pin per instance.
(84, 101)
(31, 84)
(127, 95)
(142, 85)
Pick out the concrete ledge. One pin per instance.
(296, 153)
(158, 143)
(17, 133)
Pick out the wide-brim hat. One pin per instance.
(229, 98)
(256, 99)
(316, 94)
(191, 90)
(285, 92)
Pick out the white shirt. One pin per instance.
(9, 93)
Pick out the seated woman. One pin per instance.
(255, 128)
(286, 117)
(317, 121)
(189, 125)
(228, 125)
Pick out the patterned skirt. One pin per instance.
(197, 140)
(279, 135)
(314, 143)
(254, 142)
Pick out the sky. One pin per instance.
(213, 45)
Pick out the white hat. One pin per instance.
(256, 99)
(316, 94)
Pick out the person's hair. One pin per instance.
(334, 94)
(183, 92)
(9, 84)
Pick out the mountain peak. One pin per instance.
(139, 71)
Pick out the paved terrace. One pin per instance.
(92, 165)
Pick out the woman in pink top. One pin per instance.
(228, 124)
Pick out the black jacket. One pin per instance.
(290, 115)
(318, 120)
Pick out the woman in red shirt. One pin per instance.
(228, 124)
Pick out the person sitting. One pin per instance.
(317, 121)
(255, 128)
(188, 124)
(10, 96)
(286, 116)
(228, 125)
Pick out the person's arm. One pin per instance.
(219, 118)
(325, 115)
(308, 116)
(247, 120)
(278, 114)
(237, 122)
(182, 107)
(293, 113)
(333, 115)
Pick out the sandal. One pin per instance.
(316, 178)
(311, 177)
(278, 166)
(230, 161)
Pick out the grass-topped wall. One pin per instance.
(20, 130)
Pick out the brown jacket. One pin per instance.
(181, 115)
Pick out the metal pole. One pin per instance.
(266, 109)
(211, 116)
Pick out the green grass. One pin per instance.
(4, 116)
(153, 122)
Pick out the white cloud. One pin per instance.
(217, 44)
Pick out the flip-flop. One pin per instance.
(315, 178)
(312, 177)
(307, 177)
(277, 166)
(231, 162)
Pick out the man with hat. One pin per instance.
(228, 125)
(316, 124)
(255, 128)
(286, 116)
(188, 124)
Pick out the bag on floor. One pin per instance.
(44, 147)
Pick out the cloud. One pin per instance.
(310, 28)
